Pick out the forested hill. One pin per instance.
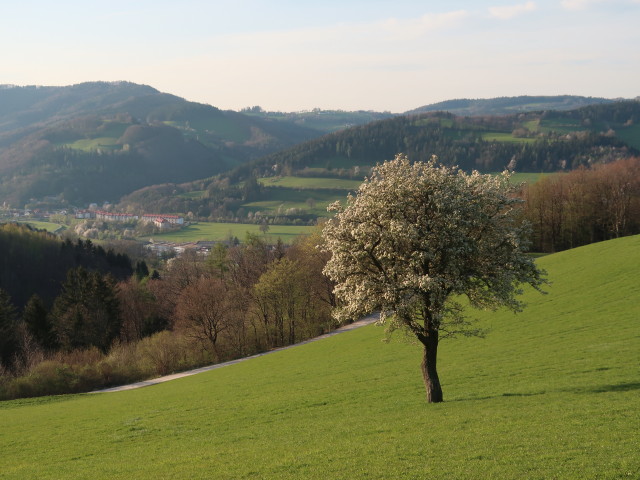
(98, 141)
(531, 142)
(509, 105)
(36, 262)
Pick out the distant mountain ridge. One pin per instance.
(508, 105)
(100, 141)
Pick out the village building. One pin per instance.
(115, 216)
(161, 223)
(171, 219)
(82, 214)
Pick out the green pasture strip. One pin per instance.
(194, 195)
(560, 125)
(213, 231)
(527, 177)
(114, 129)
(48, 226)
(552, 392)
(311, 182)
(336, 162)
(505, 138)
(91, 144)
(443, 122)
(280, 199)
(217, 127)
(532, 125)
(630, 135)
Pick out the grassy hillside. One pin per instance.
(313, 195)
(222, 231)
(549, 393)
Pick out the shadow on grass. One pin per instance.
(620, 387)
(489, 397)
(22, 402)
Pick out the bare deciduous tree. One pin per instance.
(202, 311)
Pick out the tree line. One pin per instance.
(584, 206)
(101, 331)
(34, 261)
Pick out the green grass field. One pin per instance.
(48, 226)
(194, 195)
(217, 127)
(560, 125)
(552, 392)
(528, 177)
(315, 183)
(90, 144)
(281, 199)
(505, 138)
(294, 192)
(222, 231)
(630, 135)
(111, 132)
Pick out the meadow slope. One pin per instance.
(552, 392)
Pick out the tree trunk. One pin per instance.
(429, 372)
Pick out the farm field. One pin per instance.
(48, 226)
(528, 177)
(549, 393)
(630, 135)
(505, 137)
(313, 201)
(315, 194)
(311, 183)
(111, 132)
(221, 231)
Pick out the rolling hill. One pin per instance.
(533, 142)
(300, 180)
(550, 393)
(98, 141)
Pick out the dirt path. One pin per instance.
(360, 323)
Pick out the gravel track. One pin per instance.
(146, 383)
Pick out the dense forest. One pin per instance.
(469, 142)
(36, 262)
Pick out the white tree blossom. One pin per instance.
(415, 237)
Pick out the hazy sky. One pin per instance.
(294, 55)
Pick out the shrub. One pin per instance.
(163, 352)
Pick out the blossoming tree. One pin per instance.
(418, 237)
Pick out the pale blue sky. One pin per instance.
(336, 54)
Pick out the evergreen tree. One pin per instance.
(8, 329)
(36, 318)
(87, 311)
(141, 270)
